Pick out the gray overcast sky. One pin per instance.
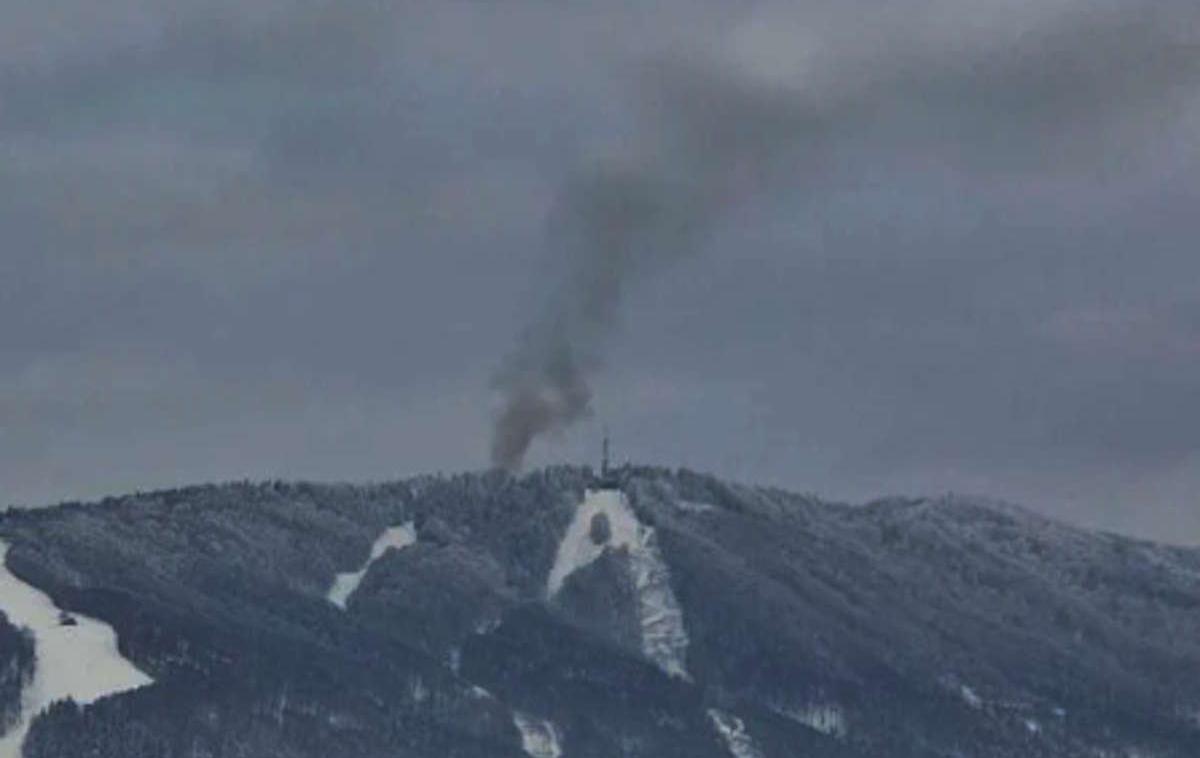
(265, 238)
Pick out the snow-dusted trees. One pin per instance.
(16, 670)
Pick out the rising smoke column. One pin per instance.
(610, 221)
(721, 128)
(709, 137)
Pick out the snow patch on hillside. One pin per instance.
(664, 640)
(826, 718)
(344, 585)
(578, 549)
(539, 737)
(970, 697)
(733, 730)
(79, 661)
(689, 506)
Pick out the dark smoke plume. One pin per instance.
(610, 221)
(715, 131)
(708, 138)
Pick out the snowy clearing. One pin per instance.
(826, 718)
(970, 697)
(80, 662)
(344, 585)
(664, 640)
(733, 731)
(688, 506)
(539, 738)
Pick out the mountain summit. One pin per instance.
(650, 613)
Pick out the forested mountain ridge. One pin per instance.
(682, 616)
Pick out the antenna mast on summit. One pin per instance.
(605, 460)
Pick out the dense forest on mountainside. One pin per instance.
(915, 627)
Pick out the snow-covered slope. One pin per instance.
(344, 585)
(76, 660)
(539, 737)
(604, 521)
(733, 731)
